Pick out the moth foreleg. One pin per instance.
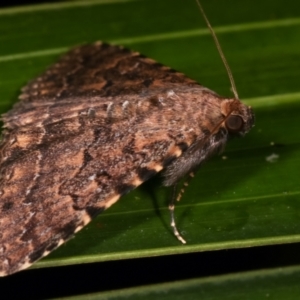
(171, 209)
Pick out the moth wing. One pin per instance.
(71, 148)
(52, 189)
(100, 70)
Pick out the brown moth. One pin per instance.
(94, 126)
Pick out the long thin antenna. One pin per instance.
(219, 50)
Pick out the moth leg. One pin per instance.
(171, 209)
(185, 184)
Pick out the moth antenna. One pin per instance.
(171, 209)
(234, 90)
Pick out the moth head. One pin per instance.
(238, 117)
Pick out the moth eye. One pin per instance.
(234, 123)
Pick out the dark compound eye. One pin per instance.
(234, 123)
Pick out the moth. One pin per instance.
(94, 126)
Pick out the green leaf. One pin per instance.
(250, 196)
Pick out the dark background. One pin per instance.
(104, 276)
(19, 2)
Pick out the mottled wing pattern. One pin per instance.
(95, 125)
(101, 70)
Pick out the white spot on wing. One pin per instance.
(92, 177)
(5, 262)
(125, 104)
(109, 107)
(170, 93)
(140, 103)
(12, 140)
(36, 176)
(161, 100)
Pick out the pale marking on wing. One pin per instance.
(161, 101)
(125, 105)
(136, 65)
(109, 108)
(170, 93)
(137, 182)
(23, 266)
(46, 253)
(176, 151)
(92, 177)
(31, 214)
(36, 175)
(155, 166)
(78, 228)
(111, 201)
(85, 218)
(9, 175)
(24, 141)
(27, 263)
(12, 141)
(60, 242)
(140, 102)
